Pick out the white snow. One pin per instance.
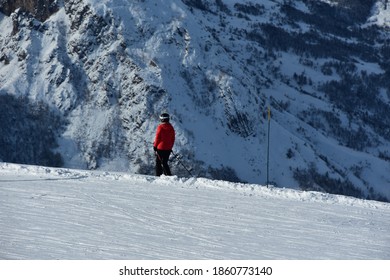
(381, 14)
(50, 213)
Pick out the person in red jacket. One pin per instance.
(163, 144)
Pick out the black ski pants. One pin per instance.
(162, 167)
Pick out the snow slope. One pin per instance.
(381, 14)
(50, 213)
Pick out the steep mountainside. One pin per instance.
(105, 70)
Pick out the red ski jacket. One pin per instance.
(165, 137)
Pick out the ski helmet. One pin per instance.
(164, 117)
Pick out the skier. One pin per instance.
(163, 143)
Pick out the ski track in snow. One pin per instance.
(50, 213)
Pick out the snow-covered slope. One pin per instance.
(108, 68)
(381, 13)
(50, 213)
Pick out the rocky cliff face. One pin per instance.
(40, 9)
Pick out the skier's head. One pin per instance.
(164, 117)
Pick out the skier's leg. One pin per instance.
(159, 168)
(165, 158)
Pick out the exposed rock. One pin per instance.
(40, 9)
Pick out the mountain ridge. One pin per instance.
(109, 70)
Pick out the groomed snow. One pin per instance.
(49, 213)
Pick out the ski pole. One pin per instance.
(178, 159)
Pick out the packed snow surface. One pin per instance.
(50, 213)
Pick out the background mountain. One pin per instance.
(82, 84)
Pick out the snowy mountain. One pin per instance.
(64, 214)
(82, 84)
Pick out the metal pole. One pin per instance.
(269, 128)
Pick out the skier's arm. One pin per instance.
(157, 139)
